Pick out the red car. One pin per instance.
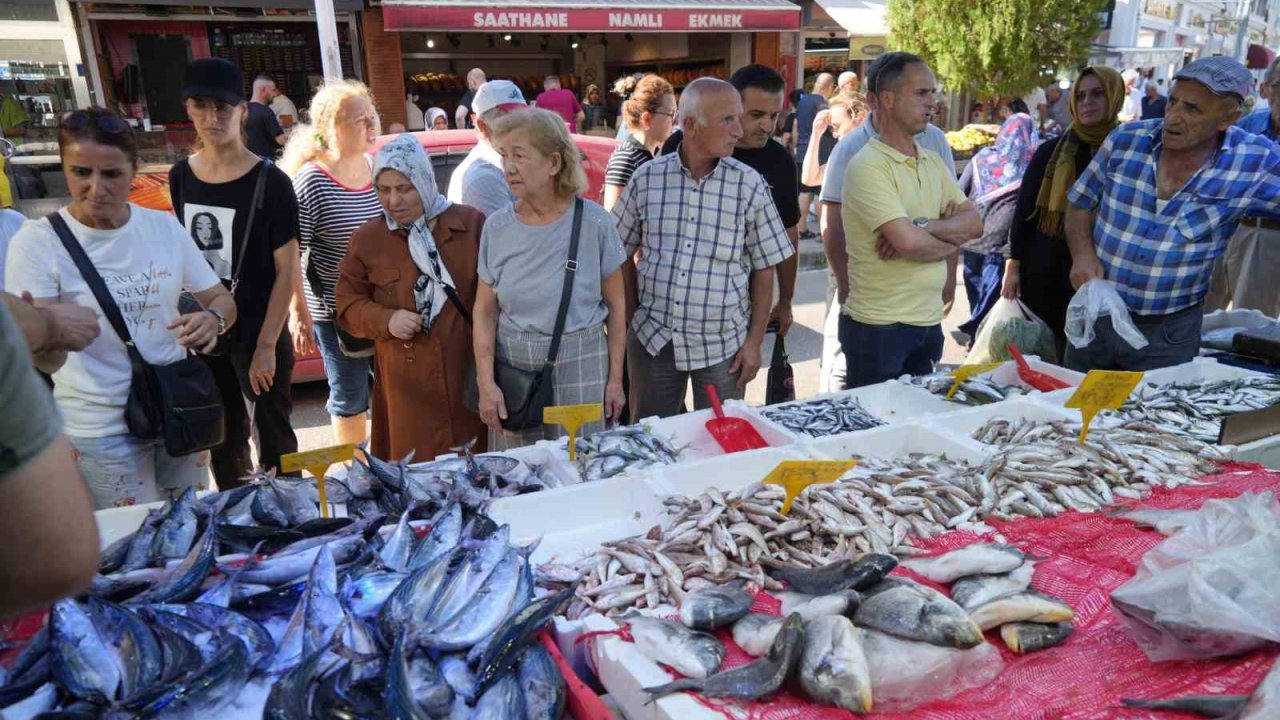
(446, 148)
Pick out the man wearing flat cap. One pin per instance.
(1155, 209)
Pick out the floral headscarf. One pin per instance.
(405, 155)
(1006, 161)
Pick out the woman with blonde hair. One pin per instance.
(525, 318)
(333, 180)
(648, 114)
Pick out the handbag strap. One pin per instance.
(96, 285)
(259, 188)
(570, 270)
(457, 301)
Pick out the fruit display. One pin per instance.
(972, 138)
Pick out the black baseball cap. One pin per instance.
(215, 78)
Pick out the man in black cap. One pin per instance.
(1155, 209)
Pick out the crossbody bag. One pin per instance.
(527, 392)
(178, 403)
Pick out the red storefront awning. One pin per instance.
(592, 15)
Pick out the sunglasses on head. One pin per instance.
(107, 123)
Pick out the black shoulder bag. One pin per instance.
(350, 345)
(187, 302)
(528, 392)
(179, 402)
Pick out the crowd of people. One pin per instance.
(446, 313)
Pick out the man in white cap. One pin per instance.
(1155, 209)
(479, 180)
(1132, 108)
(848, 82)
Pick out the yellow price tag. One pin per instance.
(317, 463)
(796, 475)
(573, 417)
(1102, 390)
(964, 372)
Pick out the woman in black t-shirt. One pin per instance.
(241, 212)
(649, 115)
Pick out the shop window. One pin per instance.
(28, 10)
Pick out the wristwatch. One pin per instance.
(222, 320)
(921, 222)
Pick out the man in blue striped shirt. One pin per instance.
(1245, 277)
(1156, 207)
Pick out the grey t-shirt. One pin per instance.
(524, 264)
(29, 420)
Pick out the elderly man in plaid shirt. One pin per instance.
(1156, 207)
(707, 237)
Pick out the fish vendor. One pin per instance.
(1156, 207)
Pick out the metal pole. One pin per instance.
(1242, 34)
(327, 25)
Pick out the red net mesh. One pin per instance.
(1085, 557)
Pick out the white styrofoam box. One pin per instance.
(963, 424)
(550, 454)
(689, 431)
(891, 401)
(1198, 370)
(1236, 318)
(887, 443)
(1007, 374)
(726, 472)
(1265, 452)
(115, 523)
(625, 671)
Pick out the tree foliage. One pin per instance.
(995, 47)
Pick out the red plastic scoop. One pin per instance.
(733, 434)
(1043, 382)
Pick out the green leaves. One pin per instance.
(996, 47)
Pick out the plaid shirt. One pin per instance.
(1259, 123)
(700, 241)
(1161, 261)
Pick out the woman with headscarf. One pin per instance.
(1039, 266)
(991, 179)
(408, 282)
(437, 119)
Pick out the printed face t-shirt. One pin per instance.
(145, 264)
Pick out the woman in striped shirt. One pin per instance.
(648, 114)
(333, 180)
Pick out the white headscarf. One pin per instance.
(405, 155)
(432, 114)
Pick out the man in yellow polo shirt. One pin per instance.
(905, 218)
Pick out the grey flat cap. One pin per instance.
(1222, 75)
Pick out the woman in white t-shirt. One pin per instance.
(146, 260)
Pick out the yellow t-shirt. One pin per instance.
(881, 185)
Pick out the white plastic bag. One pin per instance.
(1093, 300)
(1011, 322)
(1213, 588)
(906, 674)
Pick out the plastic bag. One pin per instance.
(906, 674)
(782, 379)
(1093, 300)
(1010, 321)
(1213, 588)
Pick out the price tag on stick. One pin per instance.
(1102, 390)
(796, 475)
(964, 372)
(317, 463)
(573, 417)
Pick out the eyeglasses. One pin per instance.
(670, 114)
(204, 106)
(108, 123)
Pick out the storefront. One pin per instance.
(584, 43)
(842, 35)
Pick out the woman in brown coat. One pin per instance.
(408, 282)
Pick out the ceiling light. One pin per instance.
(507, 37)
(574, 45)
(431, 43)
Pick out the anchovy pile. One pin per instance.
(1197, 409)
(879, 506)
(344, 618)
(973, 391)
(609, 453)
(818, 418)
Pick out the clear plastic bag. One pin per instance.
(1093, 300)
(1212, 589)
(906, 674)
(1011, 322)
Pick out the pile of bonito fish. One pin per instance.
(846, 627)
(1196, 409)
(818, 418)
(341, 617)
(878, 506)
(976, 390)
(609, 453)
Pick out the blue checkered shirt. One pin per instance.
(699, 242)
(1259, 123)
(1161, 262)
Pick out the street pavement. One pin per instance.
(804, 345)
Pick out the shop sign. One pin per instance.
(867, 47)
(399, 17)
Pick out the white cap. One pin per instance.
(1129, 75)
(846, 77)
(497, 94)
